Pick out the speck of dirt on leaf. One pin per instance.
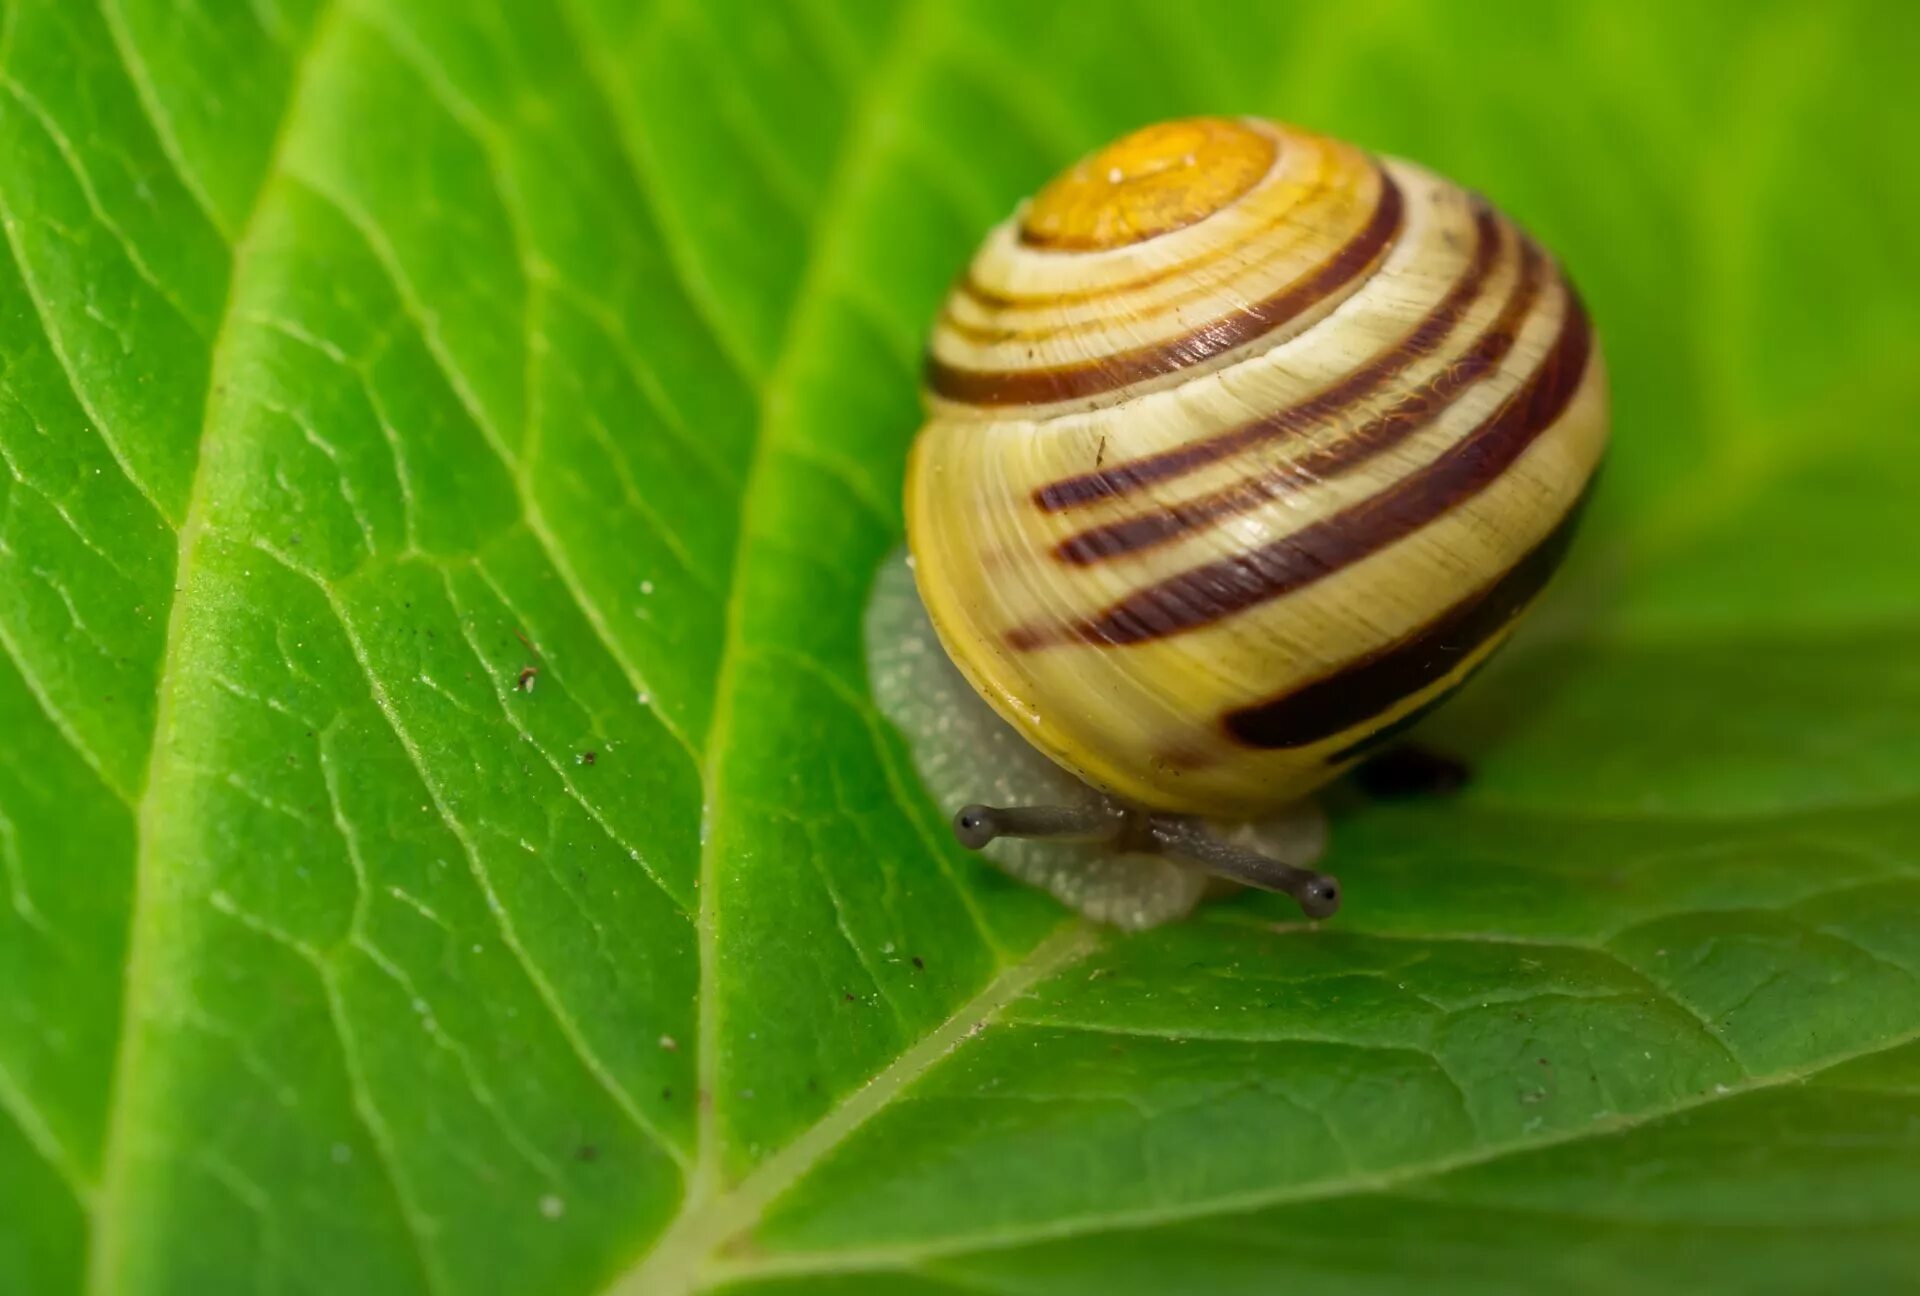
(586, 1152)
(919, 963)
(525, 679)
(669, 1043)
(588, 758)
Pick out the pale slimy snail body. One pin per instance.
(1245, 449)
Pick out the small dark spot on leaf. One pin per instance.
(851, 998)
(588, 758)
(919, 962)
(588, 1152)
(524, 681)
(666, 1093)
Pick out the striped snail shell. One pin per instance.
(1245, 449)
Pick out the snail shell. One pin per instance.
(1245, 449)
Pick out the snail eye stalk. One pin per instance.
(1182, 838)
(976, 825)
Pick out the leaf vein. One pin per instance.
(569, 1028)
(898, 1257)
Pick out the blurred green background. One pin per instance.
(357, 357)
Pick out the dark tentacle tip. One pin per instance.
(975, 826)
(1319, 896)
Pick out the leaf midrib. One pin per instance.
(711, 1214)
(842, 184)
(110, 1207)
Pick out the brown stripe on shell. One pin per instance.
(1214, 591)
(966, 285)
(1122, 479)
(1095, 377)
(1381, 680)
(1392, 426)
(1386, 733)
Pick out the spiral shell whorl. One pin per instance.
(1154, 266)
(1244, 448)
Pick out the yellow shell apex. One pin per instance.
(1157, 179)
(1245, 448)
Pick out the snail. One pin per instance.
(1244, 449)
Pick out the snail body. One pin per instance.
(1244, 450)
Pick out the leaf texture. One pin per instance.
(448, 840)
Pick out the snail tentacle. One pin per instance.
(1185, 838)
(976, 825)
(1181, 838)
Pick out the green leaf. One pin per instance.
(448, 839)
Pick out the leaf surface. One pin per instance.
(449, 842)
